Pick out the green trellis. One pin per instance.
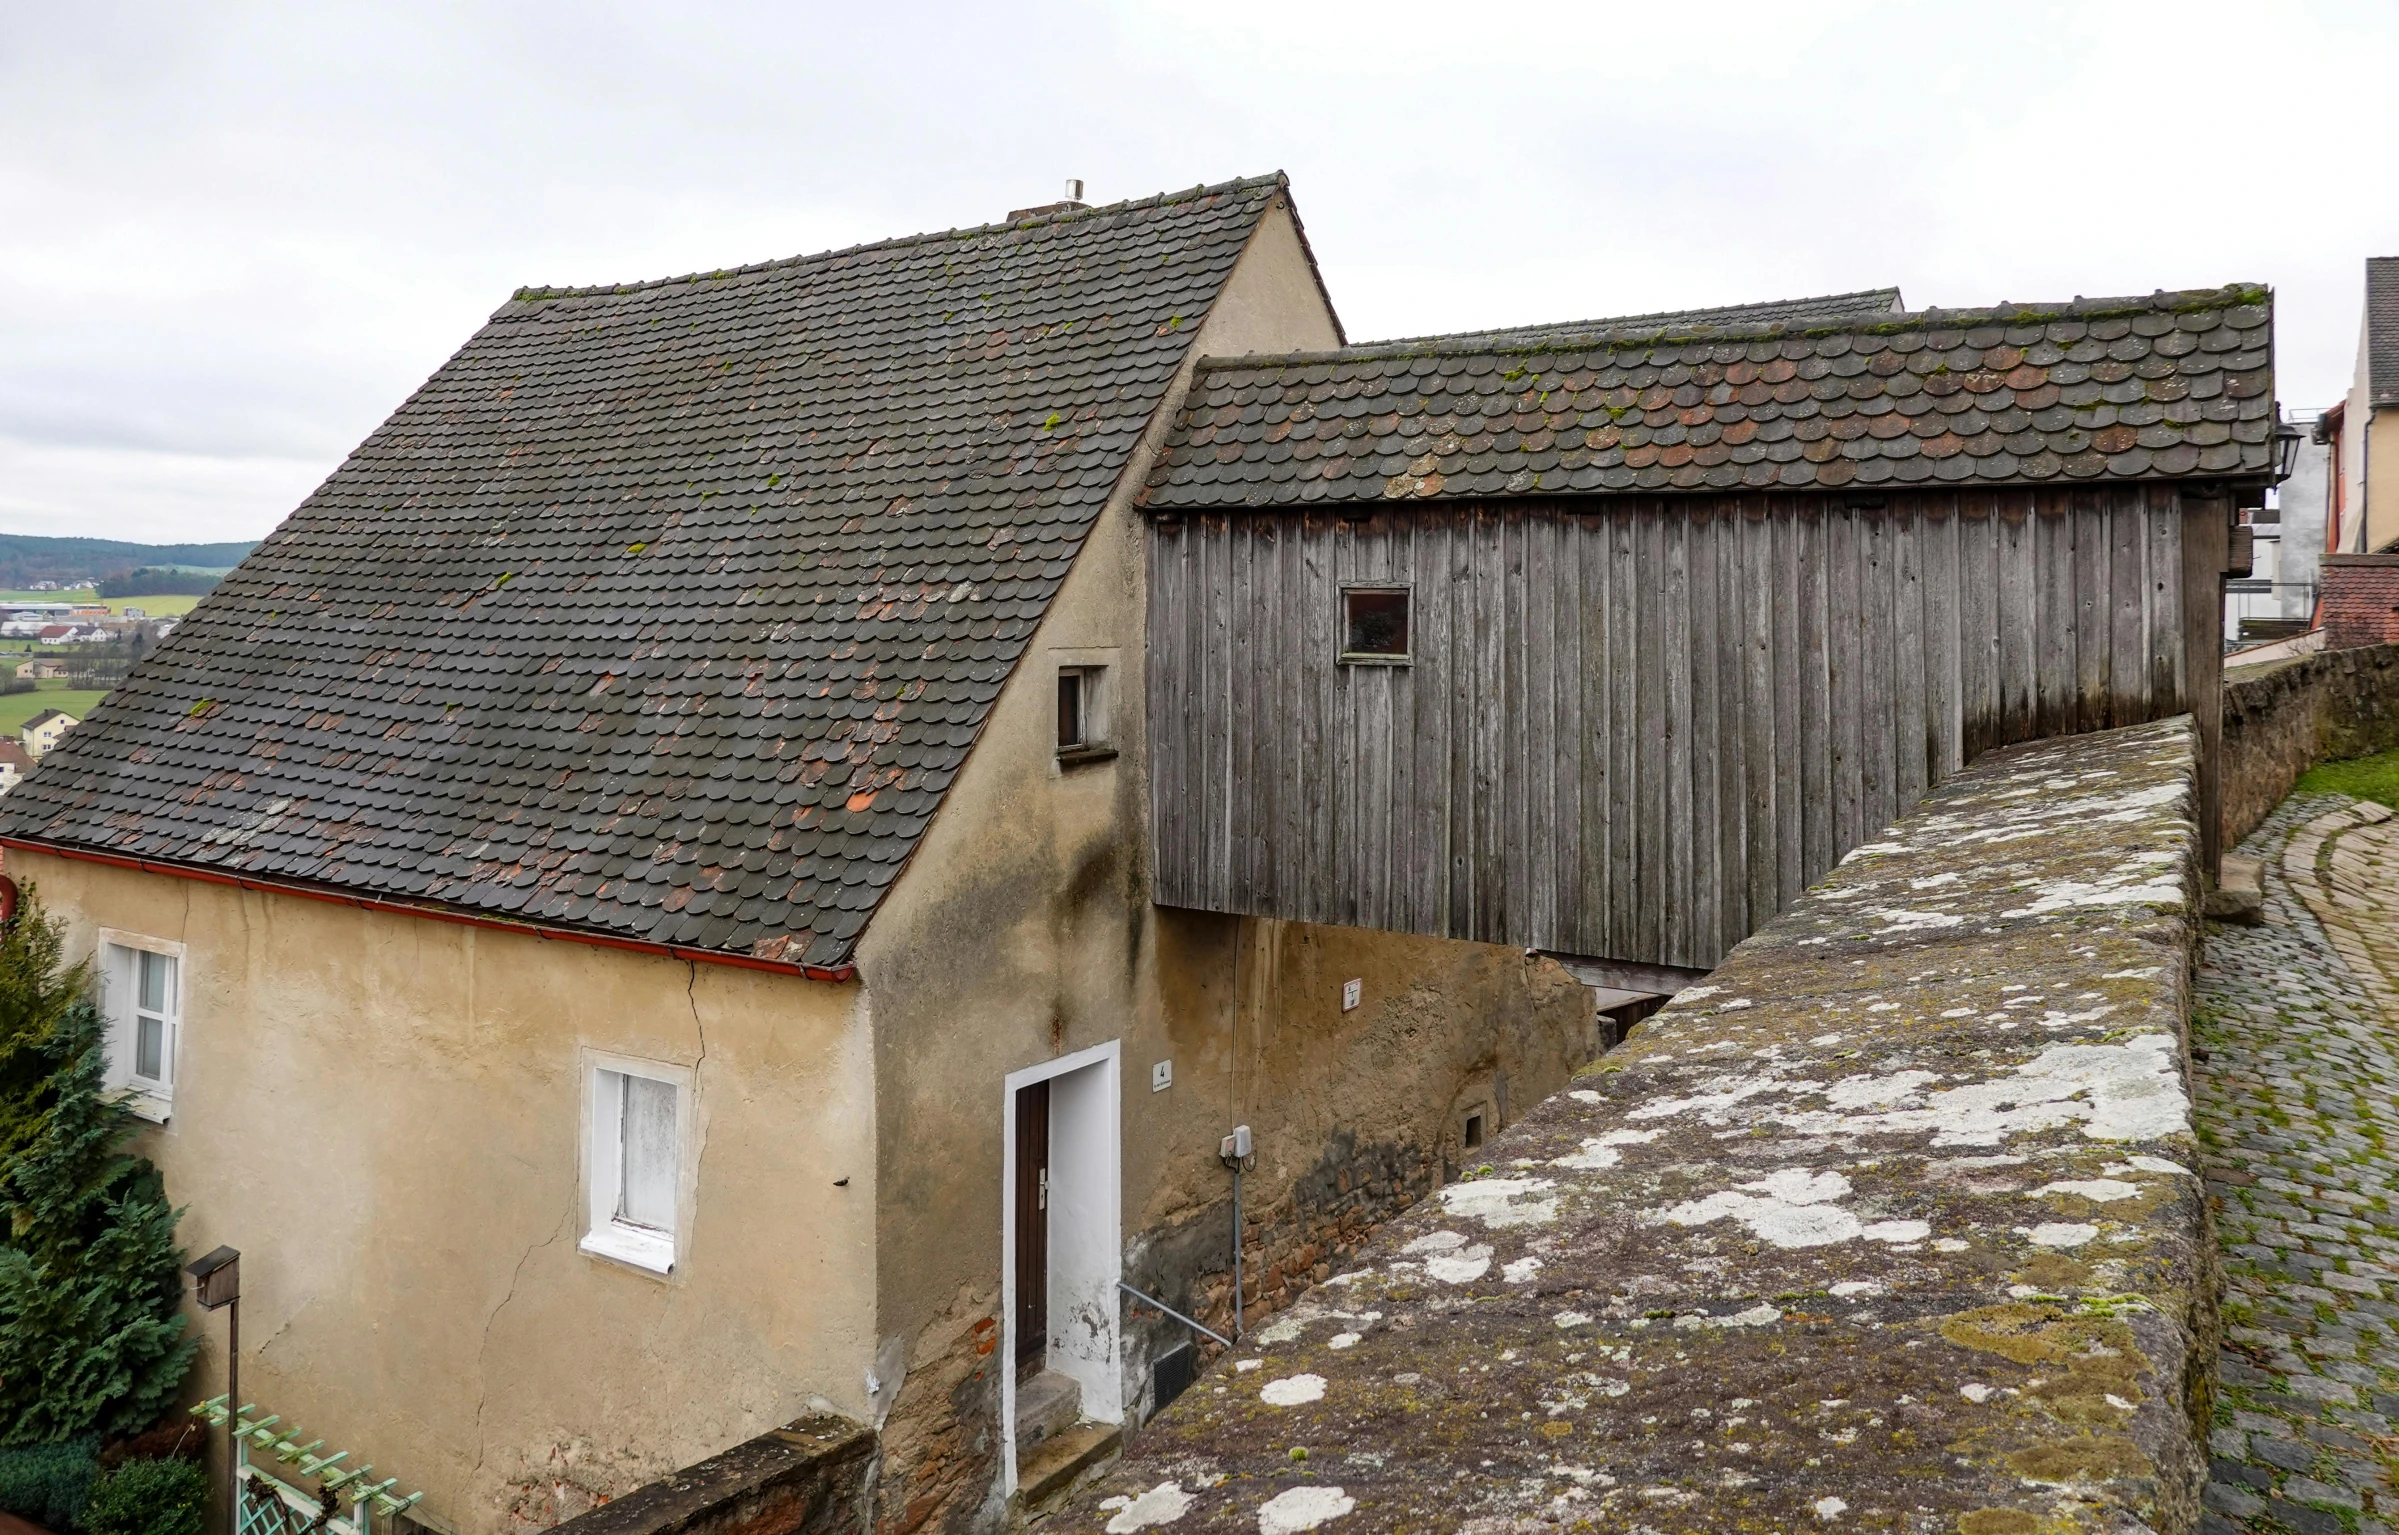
(269, 1505)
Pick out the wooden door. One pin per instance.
(1032, 1225)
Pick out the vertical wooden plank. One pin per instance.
(1558, 841)
(1162, 685)
(1944, 637)
(1630, 752)
(1320, 610)
(1464, 678)
(2093, 617)
(1819, 748)
(1490, 740)
(1760, 607)
(2019, 626)
(2167, 576)
(1670, 830)
(2128, 582)
(1978, 626)
(1702, 884)
(1590, 745)
(1844, 562)
(1783, 556)
(1909, 639)
(1519, 762)
(2058, 664)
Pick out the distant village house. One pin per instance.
(42, 733)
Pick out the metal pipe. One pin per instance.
(1237, 1248)
(1152, 1300)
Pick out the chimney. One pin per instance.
(1067, 204)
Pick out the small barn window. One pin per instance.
(1083, 733)
(1374, 624)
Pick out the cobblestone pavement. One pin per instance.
(2299, 1122)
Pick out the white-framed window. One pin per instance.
(141, 992)
(637, 1120)
(1086, 705)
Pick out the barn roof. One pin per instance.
(667, 611)
(2172, 385)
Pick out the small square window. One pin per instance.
(1374, 625)
(140, 988)
(635, 1163)
(1083, 712)
(1474, 1130)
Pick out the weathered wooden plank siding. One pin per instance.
(1636, 728)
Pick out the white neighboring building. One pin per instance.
(44, 731)
(2280, 588)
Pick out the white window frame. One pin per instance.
(1098, 666)
(605, 1235)
(151, 1098)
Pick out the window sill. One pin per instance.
(653, 1252)
(1349, 659)
(1076, 756)
(146, 1104)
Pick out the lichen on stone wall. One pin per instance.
(1891, 1224)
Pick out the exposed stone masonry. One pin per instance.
(2300, 1130)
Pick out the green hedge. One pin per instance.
(149, 1497)
(49, 1484)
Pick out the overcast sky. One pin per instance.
(233, 237)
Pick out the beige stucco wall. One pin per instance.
(1022, 930)
(384, 1114)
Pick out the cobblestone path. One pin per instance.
(2299, 1123)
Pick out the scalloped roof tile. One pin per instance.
(2173, 385)
(666, 611)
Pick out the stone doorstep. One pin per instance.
(1063, 1461)
(1047, 1405)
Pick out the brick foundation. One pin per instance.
(2359, 604)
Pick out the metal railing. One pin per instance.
(1152, 1300)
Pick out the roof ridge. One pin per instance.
(1477, 344)
(537, 292)
(1613, 324)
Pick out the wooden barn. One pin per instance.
(1610, 641)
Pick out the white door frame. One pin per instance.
(1087, 1184)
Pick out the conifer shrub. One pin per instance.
(91, 1342)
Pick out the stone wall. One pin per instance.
(806, 1478)
(2282, 718)
(1892, 1224)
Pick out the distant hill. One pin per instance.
(25, 560)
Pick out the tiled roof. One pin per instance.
(667, 611)
(2382, 330)
(2171, 385)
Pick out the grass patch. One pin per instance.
(2375, 778)
(160, 606)
(17, 708)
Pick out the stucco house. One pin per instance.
(751, 849)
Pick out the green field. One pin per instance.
(2375, 778)
(155, 607)
(17, 708)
